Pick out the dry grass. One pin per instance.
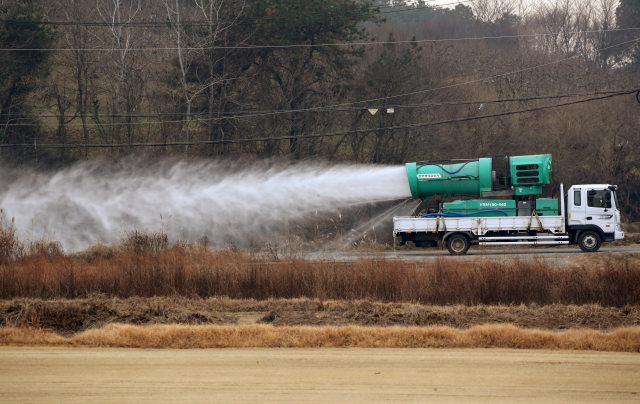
(601, 260)
(146, 265)
(188, 296)
(194, 271)
(263, 336)
(630, 239)
(631, 227)
(72, 316)
(10, 246)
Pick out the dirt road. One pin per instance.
(547, 256)
(316, 375)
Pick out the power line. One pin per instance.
(472, 81)
(352, 132)
(239, 20)
(439, 88)
(324, 44)
(407, 94)
(243, 114)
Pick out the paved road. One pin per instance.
(529, 251)
(551, 256)
(97, 375)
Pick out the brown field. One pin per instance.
(104, 375)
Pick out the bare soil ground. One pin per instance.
(70, 316)
(59, 375)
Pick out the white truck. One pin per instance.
(587, 215)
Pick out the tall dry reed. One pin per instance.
(10, 246)
(194, 271)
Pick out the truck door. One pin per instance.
(576, 207)
(599, 209)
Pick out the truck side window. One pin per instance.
(576, 198)
(599, 199)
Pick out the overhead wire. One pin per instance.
(406, 7)
(472, 81)
(244, 114)
(245, 47)
(341, 133)
(420, 91)
(328, 108)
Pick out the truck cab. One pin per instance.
(593, 215)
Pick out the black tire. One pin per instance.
(458, 244)
(589, 241)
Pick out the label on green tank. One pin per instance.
(429, 176)
(481, 208)
(493, 204)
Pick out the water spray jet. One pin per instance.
(229, 203)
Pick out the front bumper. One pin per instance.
(619, 235)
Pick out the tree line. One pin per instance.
(128, 72)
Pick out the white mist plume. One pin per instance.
(227, 202)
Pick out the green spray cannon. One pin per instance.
(467, 178)
(486, 177)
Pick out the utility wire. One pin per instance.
(352, 132)
(444, 87)
(239, 20)
(323, 44)
(406, 94)
(243, 114)
(471, 81)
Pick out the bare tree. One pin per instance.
(492, 10)
(603, 42)
(78, 61)
(174, 16)
(572, 28)
(220, 16)
(118, 16)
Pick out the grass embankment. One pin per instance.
(180, 336)
(71, 316)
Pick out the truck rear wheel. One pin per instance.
(458, 244)
(589, 241)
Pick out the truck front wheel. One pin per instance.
(458, 244)
(589, 241)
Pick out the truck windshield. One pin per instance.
(615, 197)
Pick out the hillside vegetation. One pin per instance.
(121, 73)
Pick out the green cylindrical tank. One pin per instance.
(467, 178)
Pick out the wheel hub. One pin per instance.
(590, 242)
(457, 245)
